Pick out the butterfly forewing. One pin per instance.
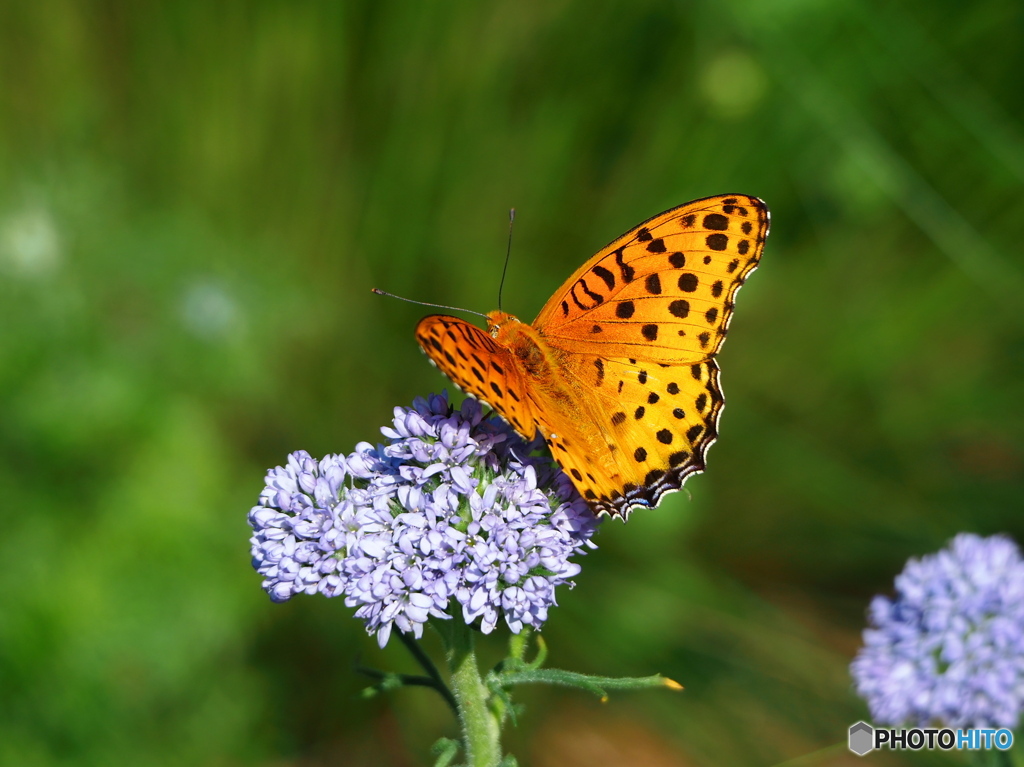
(665, 289)
(478, 366)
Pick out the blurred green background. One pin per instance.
(195, 200)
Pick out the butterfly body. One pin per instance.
(526, 345)
(618, 371)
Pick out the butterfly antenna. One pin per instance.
(380, 292)
(508, 252)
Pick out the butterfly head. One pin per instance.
(499, 323)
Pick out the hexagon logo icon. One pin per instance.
(862, 738)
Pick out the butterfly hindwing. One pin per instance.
(648, 427)
(664, 433)
(478, 366)
(663, 291)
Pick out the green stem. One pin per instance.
(387, 681)
(428, 665)
(480, 730)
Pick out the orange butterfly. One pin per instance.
(618, 370)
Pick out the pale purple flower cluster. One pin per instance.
(950, 647)
(452, 507)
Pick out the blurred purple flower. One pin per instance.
(950, 647)
(453, 506)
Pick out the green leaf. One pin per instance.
(542, 654)
(445, 750)
(518, 644)
(507, 707)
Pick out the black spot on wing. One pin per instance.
(718, 241)
(597, 298)
(604, 274)
(716, 221)
(679, 308)
(625, 269)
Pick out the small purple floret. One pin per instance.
(950, 647)
(452, 507)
